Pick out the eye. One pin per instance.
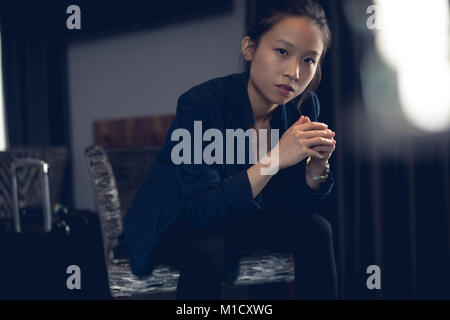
(283, 52)
(310, 60)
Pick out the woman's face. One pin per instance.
(288, 54)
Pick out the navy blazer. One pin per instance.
(206, 195)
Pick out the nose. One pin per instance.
(293, 70)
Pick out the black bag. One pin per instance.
(51, 257)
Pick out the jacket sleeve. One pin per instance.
(314, 199)
(206, 197)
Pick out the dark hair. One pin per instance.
(288, 8)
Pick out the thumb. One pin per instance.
(302, 120)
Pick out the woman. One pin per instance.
(198, 214)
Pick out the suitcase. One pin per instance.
(51, 256)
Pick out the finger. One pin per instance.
(300, 120)
(323, 148)
(318, 133)
(312, 126)
(314, 153)
(305, 119)
(327, 149)
(319, 141)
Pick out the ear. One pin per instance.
(247, 48)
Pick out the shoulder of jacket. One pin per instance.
(209, 93)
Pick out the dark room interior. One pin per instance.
(90, 90)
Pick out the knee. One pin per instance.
(319, 228)
(206, 246)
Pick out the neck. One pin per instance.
(262, 108)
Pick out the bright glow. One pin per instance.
(414, 40)
(2, 113)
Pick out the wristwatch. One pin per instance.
(316, 177)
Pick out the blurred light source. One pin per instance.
(413, 39)
(3, 133)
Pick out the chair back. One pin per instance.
(30, 191)
(116, 175)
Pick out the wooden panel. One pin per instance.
(135, 132)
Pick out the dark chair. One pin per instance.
(116, 175)
(30, 189)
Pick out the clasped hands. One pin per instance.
(307, 139)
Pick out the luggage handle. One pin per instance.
(26, 162)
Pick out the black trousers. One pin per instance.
(205, 256)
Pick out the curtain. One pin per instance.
(390, 206)
(34, 77)
(34, 67)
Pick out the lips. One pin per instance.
(284, 90)
(286, 87)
